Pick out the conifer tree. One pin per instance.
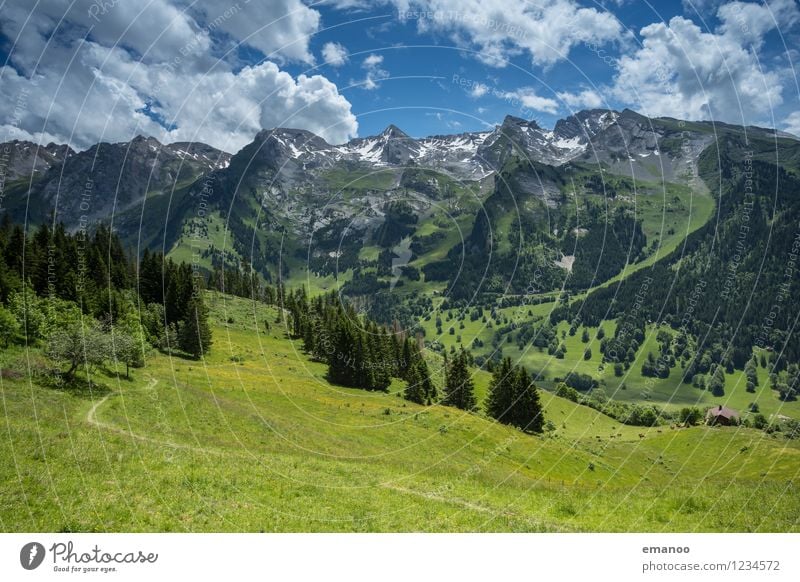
(194, 336)
(500, 397)
(514, 399)
(419, 387)
(459, 390)
(527, 408)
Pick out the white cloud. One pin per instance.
(102, 90)
(586, 99)
(372, 61)
(682, 71)
(748, 22)
(792, 123)
(527, 98)
(479, 90)
(372, 64)
(547, 30)
(281, 29)
(334, 54)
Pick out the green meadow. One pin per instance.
(254, 438)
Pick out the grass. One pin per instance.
(191, 244)
(345, 181)
(254, 438)
(670, 392)
(667, 219)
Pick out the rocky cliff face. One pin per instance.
(26, 160)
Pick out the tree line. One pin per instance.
(362, 354)
(87, 301)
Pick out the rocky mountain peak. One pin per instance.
(511, 121)
(24, 159)
(394, 132)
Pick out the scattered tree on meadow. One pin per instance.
(716, 383)
(751, 373)
(128, 350)
(77, 345)
(459, 390)
(514, 399)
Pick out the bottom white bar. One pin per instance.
(389, 557)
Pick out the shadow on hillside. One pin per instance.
(42, 372)
(82, 387)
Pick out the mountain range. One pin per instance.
(291, 204)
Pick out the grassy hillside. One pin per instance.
(631, 387)
(255, 439)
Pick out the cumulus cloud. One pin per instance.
(334, 54)
(792, 123)
(479, 90)
(748, 22)
(526, 98)
(161, 70)
(683, 71)
(372, 64)
(281, 29)
(546, 30)
(586, 99)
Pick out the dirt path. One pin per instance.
(442, 499)
(91, 418)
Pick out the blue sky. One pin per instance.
(430, 76)
(218, 72)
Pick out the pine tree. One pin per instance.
(527, 409)
(194, 336)
(500, 397)
(419, 387)
(514, 399)
(459, 389)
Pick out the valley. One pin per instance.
(638, 271)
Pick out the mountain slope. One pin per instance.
(257, 440)
(108, 179)
(572, 206)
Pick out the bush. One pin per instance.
(564, 391)
(690, 416)
(9, 327)
(581, 382)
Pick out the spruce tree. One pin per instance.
(514, 399)
(340, 357)
(379, 359)
(459, 389)
(414, 390)
(194, 336)
(419, 387)
(500, 397)
(527, 409)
